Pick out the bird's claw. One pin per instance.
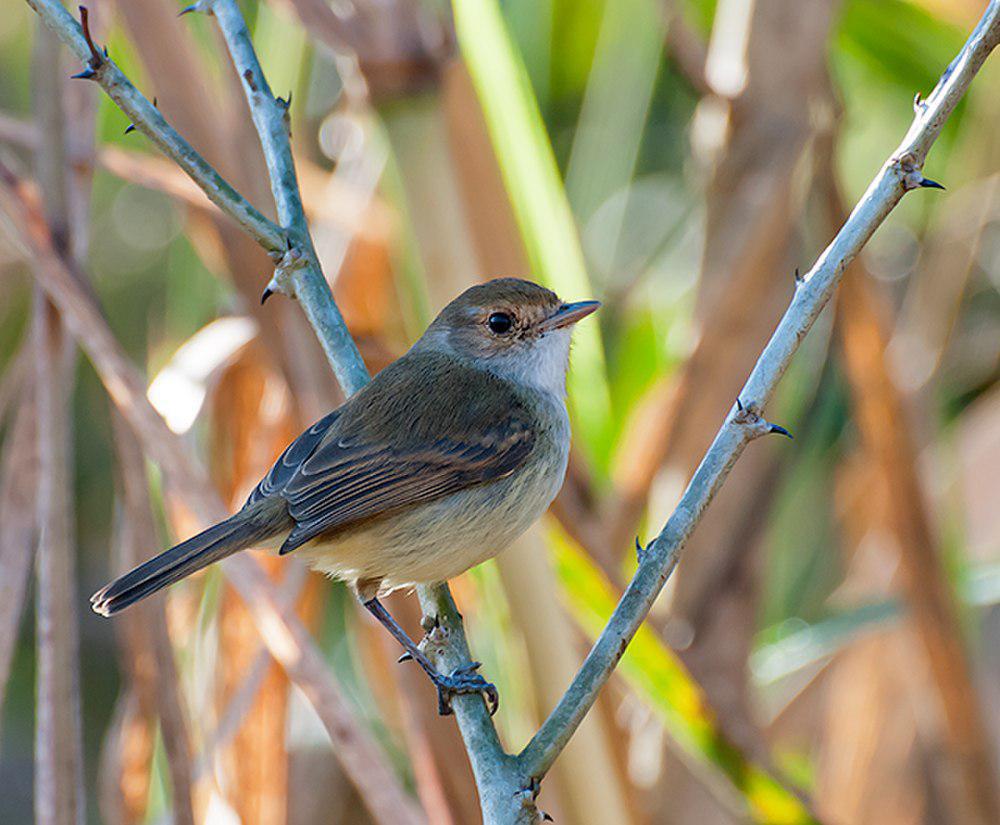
(465, 680)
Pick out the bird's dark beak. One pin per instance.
(569, 314)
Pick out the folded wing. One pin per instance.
(381, 452)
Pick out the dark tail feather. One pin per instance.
(215, 543)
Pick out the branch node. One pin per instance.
(748, 416)
(911, 175)
(526, 796)
(284, 270)
(248, 77)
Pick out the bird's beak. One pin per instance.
(569, 314)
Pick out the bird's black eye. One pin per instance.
(500, 323)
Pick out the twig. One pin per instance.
(899, 174)
(148, 119)
(298, 273)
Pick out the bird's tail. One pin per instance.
(218, 541)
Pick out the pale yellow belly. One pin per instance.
(442, 539)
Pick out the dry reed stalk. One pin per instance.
(59, 798)
(754, 136)
(124, 769)
(59, 794)
(866, 703)
(18, 481)
(250, 426)
(882, 421)
(149, 660)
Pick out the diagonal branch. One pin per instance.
(901, 173)
(148, 120)
(298, 273)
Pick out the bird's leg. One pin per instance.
(461, 680)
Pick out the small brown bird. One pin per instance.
(448, 455)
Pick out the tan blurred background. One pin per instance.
(828, 647)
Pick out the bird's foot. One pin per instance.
(464, 680)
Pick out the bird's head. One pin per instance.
(516, 329)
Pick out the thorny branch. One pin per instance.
(900, 174)
(100, 68)
(509, 783)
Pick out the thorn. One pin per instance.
(406, 657)
(87, 74)
(774, 428)
(927, 183)
(917, 103)
(188, 9)
(546, 817)
(739, 404)
(268, 292)
(798, 276)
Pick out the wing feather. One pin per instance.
(377, 455)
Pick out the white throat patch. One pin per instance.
(542, 366)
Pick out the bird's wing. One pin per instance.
(382, 452)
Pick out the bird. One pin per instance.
(436, 465)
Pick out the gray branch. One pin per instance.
(900, 174)
(298, 273)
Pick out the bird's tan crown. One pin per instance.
(505, 293)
